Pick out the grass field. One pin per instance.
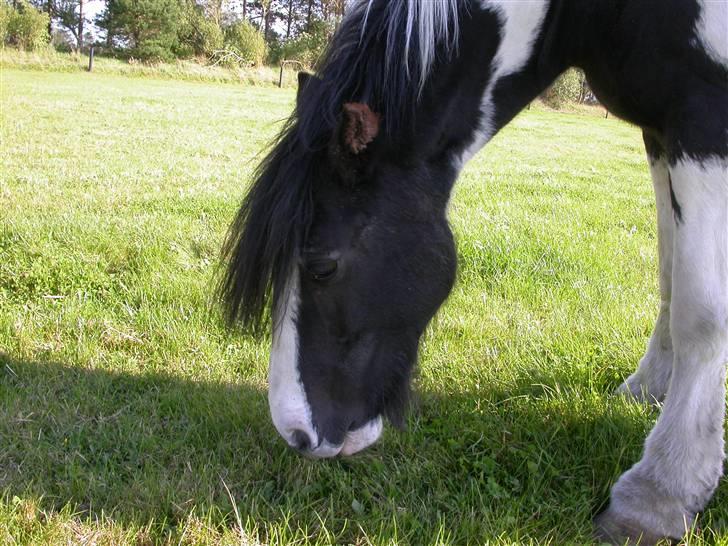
(200, 70)
(129, 415)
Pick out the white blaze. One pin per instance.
(289, 408)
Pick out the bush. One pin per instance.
(5, 15)
(200, 35)
(154, 50)
(308, 46)
(566, 89)
(25, 27)
(246, 43)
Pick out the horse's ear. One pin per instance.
(304, 80)
(360, 126)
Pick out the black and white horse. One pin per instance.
(345, 227)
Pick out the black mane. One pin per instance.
(376, 57)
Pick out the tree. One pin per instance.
(6, 15)
(165, 29)
(80, 25)
(201, 33)
(213, 9)
(266, 5)
(309, 45)
(69, 16)
(264, 13)
(243, 39)
(333, 10)
(49, 11)
(150, 27)
(110, 21)
(299, 17)
(289, 19)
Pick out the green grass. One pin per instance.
(50, 60)
(129, 415)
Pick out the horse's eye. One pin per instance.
(321, 269)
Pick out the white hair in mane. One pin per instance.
(429, 22)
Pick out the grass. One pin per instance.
(129, 415)
(50, 60)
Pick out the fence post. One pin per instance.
(91, 59)
(283, 64)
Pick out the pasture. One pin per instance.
(130, 415)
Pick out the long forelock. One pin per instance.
(382, 54)
(435, 23)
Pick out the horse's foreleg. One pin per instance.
(650, 381)
(683, 455)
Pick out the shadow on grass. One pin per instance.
(519, 462)
(135, 447)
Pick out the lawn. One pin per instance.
(130, 415)
(48, 59)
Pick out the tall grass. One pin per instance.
(49, 60)
(130, 415)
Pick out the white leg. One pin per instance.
(649, 383)
(683, 456)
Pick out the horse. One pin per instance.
(343, 243)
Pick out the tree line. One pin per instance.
(227, 31)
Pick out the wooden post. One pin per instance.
(91, 58)
(280, 78)
(606, 114)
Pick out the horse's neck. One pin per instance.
(531, 54)
(509, 53)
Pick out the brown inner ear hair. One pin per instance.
(361, 126)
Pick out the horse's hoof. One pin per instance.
(611, 529)
(637, 393)
(625, 391)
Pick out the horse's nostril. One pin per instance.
(300, 440)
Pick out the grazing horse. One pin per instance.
(344, 235)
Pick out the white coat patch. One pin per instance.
(712, 29)
(521, 23)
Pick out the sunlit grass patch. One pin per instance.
(129, 414)
(50, 60)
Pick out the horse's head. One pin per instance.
(373, 262)
(376, 263)
(345, 225)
